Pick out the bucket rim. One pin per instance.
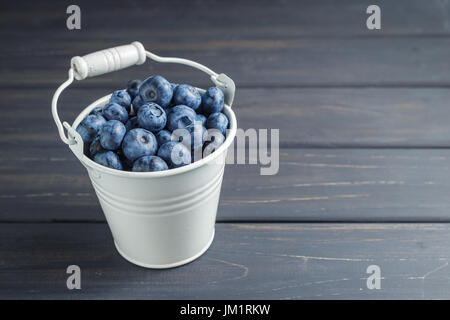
(87, 162)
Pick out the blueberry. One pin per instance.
(90, 127)
(212, 101)
(139, 142)
(156, 89)
(152, 117)
(175, 154)
(217, 121)
(180, 117)
(193, 136)
(149, 164)
(121, 97)
(137, 103)
(108, 159)
(214, 140)
(132, 123)
(201, 118)
(97, 111)
(133, 88)
(173, 86)
(111, 134)
(95, 146)
(187, 95)
(163, 136)
(114, 111)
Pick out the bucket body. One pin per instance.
(162, 222)
(161, 219)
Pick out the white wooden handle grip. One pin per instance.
(108, 60)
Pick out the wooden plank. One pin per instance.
(48, 184)
(308, 62)
(205, 18)
(274, 43)
(246, 261)
(377, 117)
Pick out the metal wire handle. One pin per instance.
(117, 58)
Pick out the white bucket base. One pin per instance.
(166, 266)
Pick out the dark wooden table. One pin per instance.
(364, 162)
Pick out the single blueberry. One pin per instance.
(114, 111)
(111, 134)
(156, 89)
(193, 136)
(137, 103)
(132, 123)
(175, 154)
(121, 97)
(152, 117)
(97, 111)
(187, 95)
(212, 101)
(90, 127)
(180, 117)
(96, 146)
(133, 88)
(217, 121)
(108, 159)
(149, 164)
(163, 136)
(201, 118)
(214, 140)
(139, 142)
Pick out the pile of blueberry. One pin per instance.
(155, 125)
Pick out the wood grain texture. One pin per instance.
(48, 184)
(377, 117)
(246, 261)
(270, 43)
(316, 62)
(255, 18)
(237, 18)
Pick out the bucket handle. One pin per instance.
(113, 59)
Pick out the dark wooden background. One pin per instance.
(364, 162)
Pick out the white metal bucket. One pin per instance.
(158, 219)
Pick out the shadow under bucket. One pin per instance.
(158, 219)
